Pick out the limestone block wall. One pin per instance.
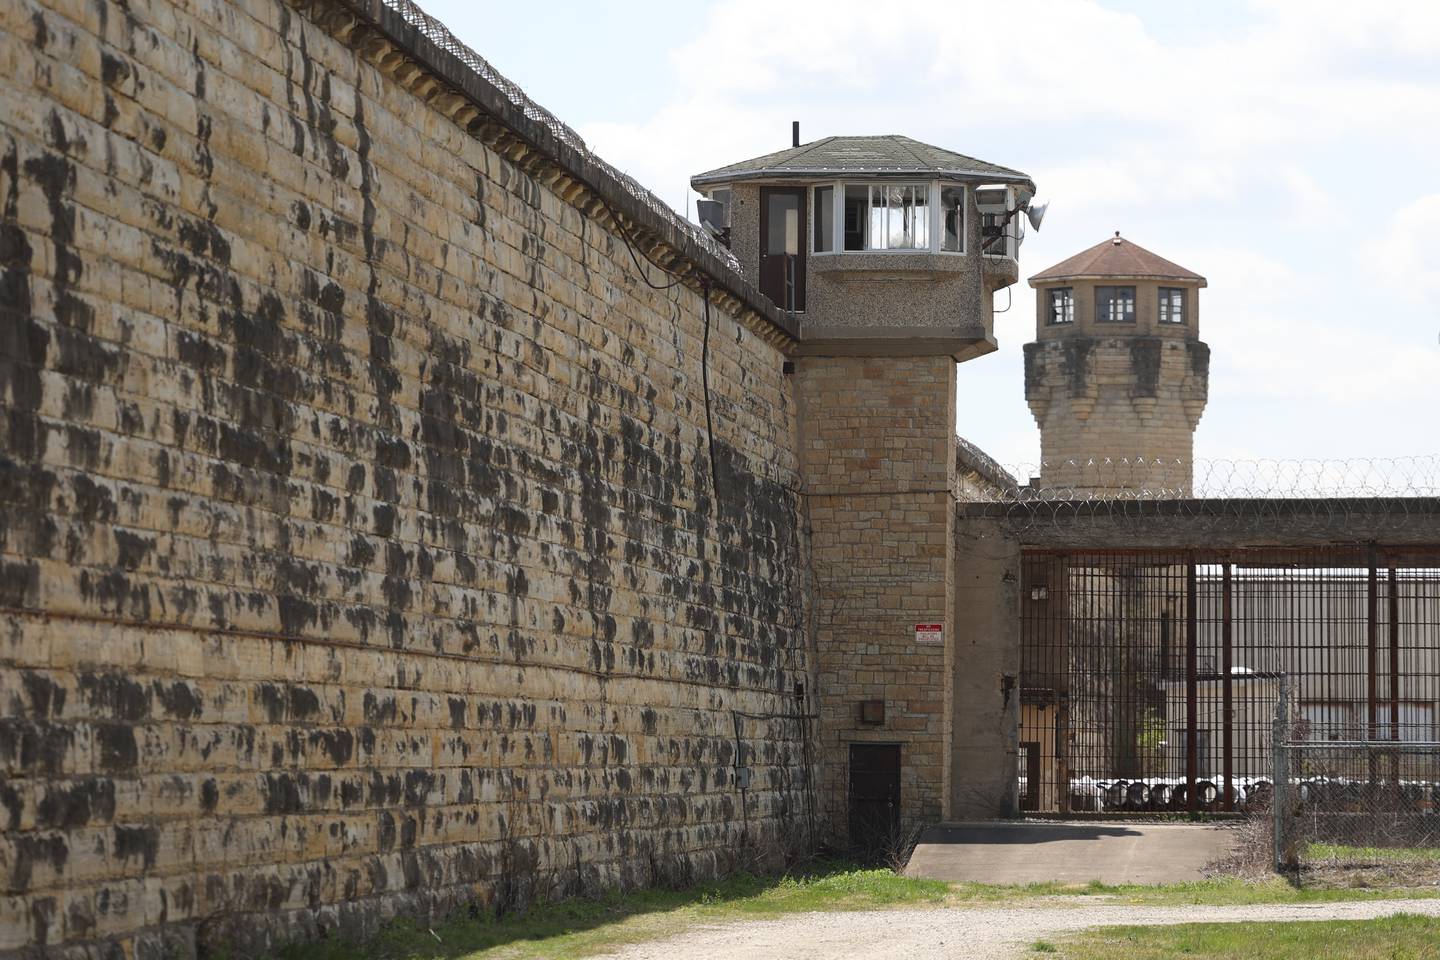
(1117, 398)
(879, 464)
(986, 699)
(359, 550)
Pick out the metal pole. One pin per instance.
(1394, 625)
(1280, 776)
(1227, 692)
(1064, 668)
(1064, 664)
(1394, 654)
(1192, 693)
(790, 282)
(1372, 653)
(739, 775)
(1372, 667)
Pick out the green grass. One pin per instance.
(1216, 892)
(583, 927)
(1335, 851)
(1398, 937)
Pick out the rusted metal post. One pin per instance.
(1372, 651)
(1227, 706)
(1192, 693)
(1061, 613)
(1394, 625)
(1394, 628)
(1372, 666)
(1062, 753)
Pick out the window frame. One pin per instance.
(1104, 317)
(1163, 301)
(1069, 293)
(936, 229)
(1009, 248)
(815, 207)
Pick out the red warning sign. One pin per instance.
(929, 633)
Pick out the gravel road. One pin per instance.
(967, 932)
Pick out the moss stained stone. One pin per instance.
(358, 545)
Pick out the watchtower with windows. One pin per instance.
(880, 245)
(1117, 377)
(887, 251)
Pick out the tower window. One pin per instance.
(1172, 304)
(993, 240)
(900, 217)
(824, 216)
(1115, 304)
(952, 209)
(905, 217)
(1062, 305)
(857, 205)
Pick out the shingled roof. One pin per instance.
(891, 154)
(1117, 257)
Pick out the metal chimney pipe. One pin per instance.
(795, 133)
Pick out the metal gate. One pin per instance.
(1149, 678)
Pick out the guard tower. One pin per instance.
(887, 251)
(879, 245)
(1117, 376)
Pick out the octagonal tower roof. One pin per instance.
(889, 155)
(1116, 258)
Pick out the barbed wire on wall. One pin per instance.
(1208, 491)
(440, 35)
(1142, 478)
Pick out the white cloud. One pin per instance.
(1267, 353)
(1311, 203)
(1262, 154)
(1407, 252)
(1405, 27)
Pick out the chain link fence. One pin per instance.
(1356, 808)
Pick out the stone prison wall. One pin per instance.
(359, 552)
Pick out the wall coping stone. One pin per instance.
(384, 17)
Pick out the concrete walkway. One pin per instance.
(1039, 851)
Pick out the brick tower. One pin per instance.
(1117, 376)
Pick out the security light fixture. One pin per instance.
(711, 214)
(1035, 212)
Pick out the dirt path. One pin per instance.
(967, 932)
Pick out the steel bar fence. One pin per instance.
(1150, 678)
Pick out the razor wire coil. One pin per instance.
(439, 35)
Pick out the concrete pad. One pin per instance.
(1041, 851)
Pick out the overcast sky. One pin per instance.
(1288, 150)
